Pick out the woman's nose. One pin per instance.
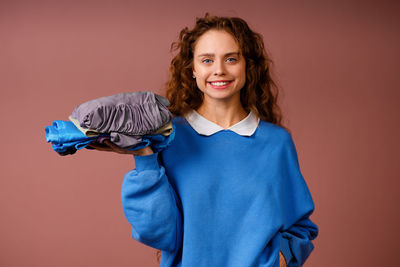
(219, 69)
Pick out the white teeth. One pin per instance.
(219, 83)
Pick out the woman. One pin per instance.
(228, 190)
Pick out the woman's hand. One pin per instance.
(282, 260)
(111, 147)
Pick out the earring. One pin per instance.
(194, 77)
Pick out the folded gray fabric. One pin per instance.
(124, 140)
(126, 116)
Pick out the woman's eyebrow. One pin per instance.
(226, 55)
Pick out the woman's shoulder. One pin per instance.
(181, 125)
(179, 120)
(271, 130)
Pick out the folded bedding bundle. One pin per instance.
(130, 120)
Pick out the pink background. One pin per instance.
(337, 63)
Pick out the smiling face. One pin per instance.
(219, 67)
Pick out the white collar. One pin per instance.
(201, 125)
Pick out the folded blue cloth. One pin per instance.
(157, 142)
(160, 142)
(62, 147)
(63, 132)
(66, 139)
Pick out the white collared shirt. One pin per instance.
(203, 126)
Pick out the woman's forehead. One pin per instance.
(216, 42)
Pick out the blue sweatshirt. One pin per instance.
(223, 200)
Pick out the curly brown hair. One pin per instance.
(259, 94)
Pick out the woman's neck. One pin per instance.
(222, 113)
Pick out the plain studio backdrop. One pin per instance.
(337, 63)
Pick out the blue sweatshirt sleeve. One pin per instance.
(150, 205)
(298, 230)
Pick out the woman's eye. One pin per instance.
(206, 60)
(231, 59)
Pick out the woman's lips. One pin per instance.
(220, 84)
